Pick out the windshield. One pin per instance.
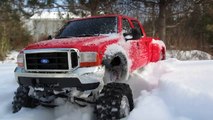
(89, 27)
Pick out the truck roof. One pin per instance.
(102, 16)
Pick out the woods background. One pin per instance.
(181, 24)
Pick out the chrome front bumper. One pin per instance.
(84, 76)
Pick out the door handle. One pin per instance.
(138, 45)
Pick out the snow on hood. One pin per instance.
(75, 42)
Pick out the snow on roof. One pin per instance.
(54, 15)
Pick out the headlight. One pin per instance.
(88, 59)
(88, 56)
(20, 60)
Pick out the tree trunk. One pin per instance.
(162, 20)
(4, 44)
(93, 5)
(153, 21)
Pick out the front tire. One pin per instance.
(115, 102)
(116, 68)
(21, 99)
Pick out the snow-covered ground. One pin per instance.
(166, 90)
(184, 91)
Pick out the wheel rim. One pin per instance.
(161, 56)
(124, 107)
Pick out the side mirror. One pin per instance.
(49, 37)
(128, 37)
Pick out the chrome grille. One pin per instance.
(51, 60)
(47, 61)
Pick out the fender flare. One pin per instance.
(113, 52)
(157, 48)
(156, 51)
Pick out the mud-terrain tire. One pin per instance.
(116, 68)
(21, 99)
(162, 55)
(115, 102)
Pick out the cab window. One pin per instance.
(126, 28)
(137, 26)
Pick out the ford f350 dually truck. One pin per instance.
(87, 62)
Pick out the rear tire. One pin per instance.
(115, 102)
(162, 55)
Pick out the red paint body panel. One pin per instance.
(140, 52)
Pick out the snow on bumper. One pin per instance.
(82, 78)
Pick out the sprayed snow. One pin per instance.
(115, 48)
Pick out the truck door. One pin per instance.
(142, 45)
(133, 44)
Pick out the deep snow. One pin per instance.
(184, 92)
(166, 90)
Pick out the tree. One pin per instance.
(177, 22)
(13, 35)
(175, 8)
(95, 7)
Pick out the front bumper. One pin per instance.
(81, 78)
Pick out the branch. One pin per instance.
(175, 25)
(179, 13)
(147, 2)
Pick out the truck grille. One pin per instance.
(51, 61)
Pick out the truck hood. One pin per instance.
(80, 43)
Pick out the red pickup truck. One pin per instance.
(87, 62)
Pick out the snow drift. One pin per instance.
(184, 92)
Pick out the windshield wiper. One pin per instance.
(81, 35)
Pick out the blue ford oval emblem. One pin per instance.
(44, 61)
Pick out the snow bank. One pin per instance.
(189, 55)
(184, 92)
(11, 57)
